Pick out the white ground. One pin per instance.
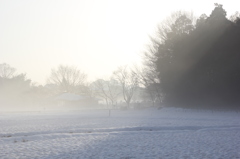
(133, 134)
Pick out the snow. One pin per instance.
(133, 134)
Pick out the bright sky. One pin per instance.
(97, 36)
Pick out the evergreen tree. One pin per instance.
(198, 65)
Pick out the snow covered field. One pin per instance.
(134, 134)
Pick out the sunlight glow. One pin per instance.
(96, 36)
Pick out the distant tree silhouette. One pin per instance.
(108, 90)
(128, 81)
(67, 78)
(14, 88)
(6, 71)
(148, 78)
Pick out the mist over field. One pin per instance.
(190, 62)
(119, 79)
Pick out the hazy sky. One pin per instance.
(97, 36)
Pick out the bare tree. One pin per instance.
(67, 78)
(6, 71)
(149, 80)
(107, 90)
(99, 87)
(165, 27)
(163, 33)
(129, 82)
(149, 75)
(113, 91)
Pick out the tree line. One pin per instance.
(191, 63)
(196, 60)
(123, 85)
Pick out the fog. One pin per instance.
(119, 79)
(95, 52)
(95, 36)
